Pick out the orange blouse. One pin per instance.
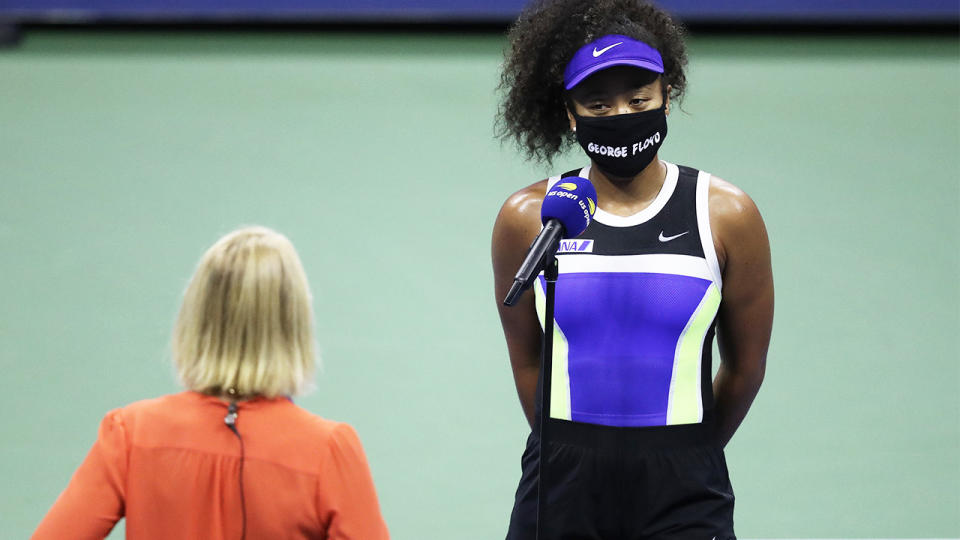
(171, 466)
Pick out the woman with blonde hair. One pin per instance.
(232, 456)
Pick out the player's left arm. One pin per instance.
(746, 311)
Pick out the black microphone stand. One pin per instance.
(550, 273)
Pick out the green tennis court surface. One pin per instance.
(123, 156)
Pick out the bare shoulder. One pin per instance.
(525, 202)
(730, 203)
(735, 220)
(520, 214)
(518, 223)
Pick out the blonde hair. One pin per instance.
(245, 327)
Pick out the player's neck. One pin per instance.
(627, 196)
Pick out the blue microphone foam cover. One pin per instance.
(572, 201)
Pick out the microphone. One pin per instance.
(231, 418)
(565, 213)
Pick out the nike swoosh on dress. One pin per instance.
(663, 238)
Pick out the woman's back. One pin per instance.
(172, 466)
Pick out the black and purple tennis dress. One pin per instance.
(631, 451)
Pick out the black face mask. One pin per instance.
(624, 144)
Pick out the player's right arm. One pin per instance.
(517, 225)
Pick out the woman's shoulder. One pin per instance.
(312, 427)
(726, 200)
(150, 406)
(730, 206)
(735, 220)
(521, 210)
(524, 204)
(143, 421)
(319, 425)
(286, 421)
(727, 194)
(336, 441)
(524, 198)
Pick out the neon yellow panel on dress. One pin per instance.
(685, 406)
(559, 375)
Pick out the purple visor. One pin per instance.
(608, 51)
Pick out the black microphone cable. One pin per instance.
(231, 421)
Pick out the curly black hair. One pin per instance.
(542, 42)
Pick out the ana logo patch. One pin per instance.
(576, 246)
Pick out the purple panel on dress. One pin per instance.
(622, 330)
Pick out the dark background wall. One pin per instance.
(849, 11)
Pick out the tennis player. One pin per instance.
(232, 457)
(674, 257)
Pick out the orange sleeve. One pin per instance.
(92, 503)
(346, 499)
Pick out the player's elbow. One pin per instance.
(753, 376)
(748, 374)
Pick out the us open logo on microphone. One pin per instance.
(565, 190)
(576, 246)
